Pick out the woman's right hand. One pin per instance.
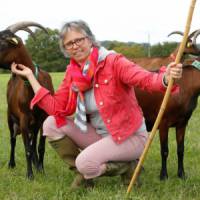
(26, 72)
(21, 70)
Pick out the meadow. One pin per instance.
(54, 184)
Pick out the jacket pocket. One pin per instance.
(105, 79)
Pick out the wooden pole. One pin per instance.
(165, 100)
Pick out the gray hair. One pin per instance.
(79, 26)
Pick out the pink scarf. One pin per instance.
(81, 80)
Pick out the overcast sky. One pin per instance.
(122, 20)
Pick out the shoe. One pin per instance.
(127, 176)
(116, 168)
(68, 151)
(79, 182)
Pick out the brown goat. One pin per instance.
(19, 94)
(178, 112)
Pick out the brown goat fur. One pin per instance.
(153, 63)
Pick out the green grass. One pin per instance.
(54, 185)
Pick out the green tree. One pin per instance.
(163, 49)
(129, 49)
(132, 51)
(45, 50)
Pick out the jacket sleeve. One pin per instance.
(53, 103)
(134, 75)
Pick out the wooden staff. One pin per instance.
(165, 100)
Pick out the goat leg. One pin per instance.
(29, 152)
(12, 163)
(41, 151)
(34, 148)
(13, 132)
(164, 151)
(180, 135)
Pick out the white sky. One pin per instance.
(122, 20)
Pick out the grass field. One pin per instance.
(54, 185)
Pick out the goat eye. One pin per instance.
(12, 40)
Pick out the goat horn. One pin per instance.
(22, 25)
(192, 34)
(175, 32)
(195, 37)
(29, 31)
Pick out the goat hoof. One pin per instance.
(11, 165)
(30, 177)
(163, 177)
(182, 175)
(40, 169)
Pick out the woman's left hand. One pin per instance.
(174, 70)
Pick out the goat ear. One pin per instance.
(13, 40)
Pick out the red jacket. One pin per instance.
(114, 94)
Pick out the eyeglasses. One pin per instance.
(78, 42)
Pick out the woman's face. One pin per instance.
(77, 45)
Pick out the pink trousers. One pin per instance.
(96, 150)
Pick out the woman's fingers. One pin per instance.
(19, 69)
(13, 67)
(176, 72)
(171, 65)
(20, 66)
